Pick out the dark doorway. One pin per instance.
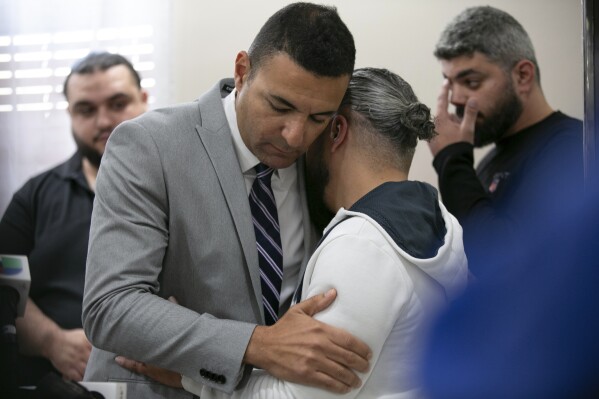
(591, 90)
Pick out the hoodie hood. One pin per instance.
(409, 212)
(413, 219)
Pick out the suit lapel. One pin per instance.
(216, 138)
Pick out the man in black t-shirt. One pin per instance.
(492, 78)
(48, 219)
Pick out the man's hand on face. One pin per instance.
(300, 349)
(451, 128)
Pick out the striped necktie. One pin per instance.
(268, 241)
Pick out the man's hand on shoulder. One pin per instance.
(300, 349)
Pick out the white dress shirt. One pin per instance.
(285, 187)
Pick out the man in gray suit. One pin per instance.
(172, 217)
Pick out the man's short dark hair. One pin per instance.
(100, 61)
(489, 31)
(313, 35)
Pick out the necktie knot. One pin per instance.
(264, 173)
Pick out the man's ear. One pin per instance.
(144, 95)
(144, 98)
(242, 69)
(339, 132)
(524, 75)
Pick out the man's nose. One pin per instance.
(104, 119)
(457, 96)
(294, 132)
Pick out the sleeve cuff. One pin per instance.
(191, 386)
(461, 148)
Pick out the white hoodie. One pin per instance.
(394, 258)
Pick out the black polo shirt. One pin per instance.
(48, 220)
(518, 185)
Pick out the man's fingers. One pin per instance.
(354, 358)
(131, 365)
(73, 375)
(317, 303)
(468, 123)
(81, 369)
(325, 374)
(341, 375)
(442, 99)
(173, 299)
(325, 381)
(348, 350)
(158, 374)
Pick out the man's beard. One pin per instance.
(86, 151)
(499, 120)
(317, 178)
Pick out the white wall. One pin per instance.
(396, 34)
(45, 36)
(203, 38)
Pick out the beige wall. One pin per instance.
(395, 34)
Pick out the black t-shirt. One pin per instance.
(515, 185)
(48, 220)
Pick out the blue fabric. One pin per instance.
(531, 331)
(515, 186)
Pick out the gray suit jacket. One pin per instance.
(171, 217)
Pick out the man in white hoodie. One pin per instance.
(392, 252)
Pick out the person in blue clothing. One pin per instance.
(492, 77)
(528, 326)
(532, 331)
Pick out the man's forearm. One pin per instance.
(35, 330)
(459, 186)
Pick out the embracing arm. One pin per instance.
(369, 293)
(129, 237)
(298, 348)
(302, 349)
